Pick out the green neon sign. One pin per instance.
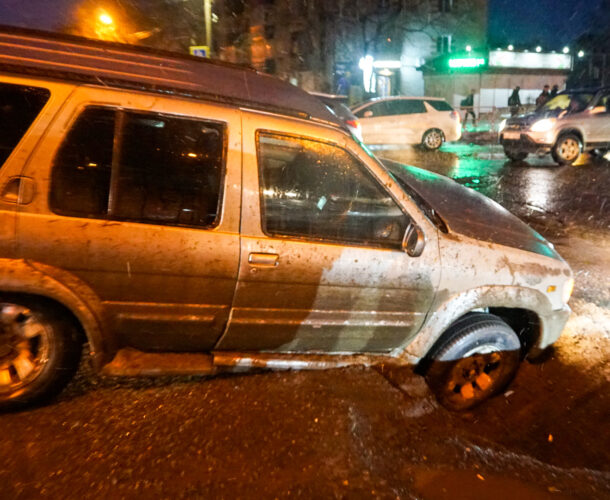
(466, 62)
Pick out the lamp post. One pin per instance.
(207, 12)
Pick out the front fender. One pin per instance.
(34, 278)
(456, 306)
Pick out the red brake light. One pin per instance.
(353, 123)
(455, 115)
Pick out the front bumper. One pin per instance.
(551, 326)
(525, 142)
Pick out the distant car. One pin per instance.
(572, 122)
(337, 104)
(428, 121)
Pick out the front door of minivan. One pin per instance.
(322, 267)
(139, 197)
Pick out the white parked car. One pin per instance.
(428, 121)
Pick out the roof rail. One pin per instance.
(81, 60)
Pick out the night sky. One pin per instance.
(551, 23)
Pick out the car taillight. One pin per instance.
(455, 115)
(355, 124)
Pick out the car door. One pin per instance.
(376, 122)
(138, 197)
(596, 122)
(411, 119)
(322, 267)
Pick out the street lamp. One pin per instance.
(207, 11)
(510, 47)
(566, 50)
(539, 48)
(468, 48)
(581, 53)
(105, 19)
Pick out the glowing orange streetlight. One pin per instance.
(105, 19)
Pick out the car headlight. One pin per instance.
(543, 125)
(502, 125)
(568, 287)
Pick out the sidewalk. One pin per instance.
(485, 132)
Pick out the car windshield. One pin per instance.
(572, 102)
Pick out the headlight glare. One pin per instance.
(543, 125)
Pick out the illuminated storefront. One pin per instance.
(493, 75)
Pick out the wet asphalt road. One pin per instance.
(349, 433)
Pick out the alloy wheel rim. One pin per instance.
(475, 375)
(24, 347)
(570, 150)
(433, 140)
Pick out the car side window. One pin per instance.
(19, 107)
(407, 106)
(141, 167)
(319, 191)
(373, 110)
(604, 102)
(439, 105)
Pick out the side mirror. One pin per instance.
(414, 240)
(368, 114)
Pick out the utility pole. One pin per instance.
(207, 12)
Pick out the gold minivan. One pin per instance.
(180, 215)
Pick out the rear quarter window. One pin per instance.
(19, 107)
(406, 106)
(440, 105)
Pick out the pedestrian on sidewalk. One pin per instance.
(468, 104)
(514, 101)
(554, 91)
(543, 97)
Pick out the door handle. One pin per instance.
(264, 259)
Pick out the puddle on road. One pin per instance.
(468, 484)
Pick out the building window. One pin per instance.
(445, 5)
(443, 44)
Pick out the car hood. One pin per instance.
(527, 119)
(466, 212)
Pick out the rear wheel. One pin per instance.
(567, 149)
(475, 359)
(515, 155)
(39, 352)
(432, 139)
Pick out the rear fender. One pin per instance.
(33, 278)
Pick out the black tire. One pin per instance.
(567, 149)
(40, 350)
(475, 358)
(514, 155)
(432, 139)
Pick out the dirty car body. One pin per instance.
(178, 230)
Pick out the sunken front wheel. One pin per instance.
(476, 358)
(432, 139)
(39, 352)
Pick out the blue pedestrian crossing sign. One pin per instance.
(199, 50)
